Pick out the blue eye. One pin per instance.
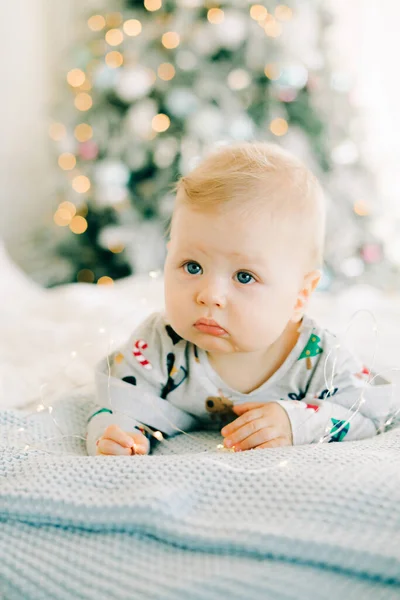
(192, 268)
(244, 277)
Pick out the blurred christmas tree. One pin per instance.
(151, 86)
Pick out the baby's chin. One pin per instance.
(213, 343)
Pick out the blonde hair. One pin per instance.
(248, 173)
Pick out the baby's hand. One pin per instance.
(260, 425)
(118, 442)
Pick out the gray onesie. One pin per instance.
(161, 380)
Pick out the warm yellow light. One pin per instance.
(114, 19)
(166, 71)
(114, 37)
(117, 248)
(69, 207)
(152, 5)
(283, 12)
(105, 281)
(83, 101)
(215, 15)
(78, 225)
(272, 28)
(272, 71)
(132, 27)
(57, 131)
(66, 161)
(83, 132)
(85, 276)
(96, 22)
(361, 208)
(160, 123)
(258, 12)
(81, 184)
(76, 77)
(114, 59)
(62, 217)
(279, 126)
(170, 39)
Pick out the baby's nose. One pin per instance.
(212, 296)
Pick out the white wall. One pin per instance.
(33, 38)
(367, 46)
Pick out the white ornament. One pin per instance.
(140, 116)
(294, 75)
(345, 153)
(110, 195)
(181, 102)
(239, 79)
(232, 30)
(242, 128)
(206, 123)
(133, 83)
(105, 78)
(111, 173)
(186, 60)
(165, 151)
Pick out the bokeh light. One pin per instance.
(132, 27)
(81, 184)
(160, 123)
(114, 37)
(114, 59)
(96, 23)
(170, 40)
(83, 132)
(166, 71)
(279, 126)
(215, 16)
(78, 224)
(66, 161)
(76, 77)
(83, 101)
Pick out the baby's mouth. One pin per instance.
(210, 326)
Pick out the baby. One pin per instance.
(234, 349)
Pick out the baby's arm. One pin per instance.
(123, 380)
(133, 383)
(350, 409)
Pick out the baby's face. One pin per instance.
(235, 269)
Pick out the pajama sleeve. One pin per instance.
(132, 384)
(346, 403)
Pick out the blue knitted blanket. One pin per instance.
(189, 522)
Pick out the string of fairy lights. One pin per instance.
(108, 51)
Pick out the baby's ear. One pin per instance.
(310, 282)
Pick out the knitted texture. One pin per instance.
(316, 521)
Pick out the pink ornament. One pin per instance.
(371, 253)
(287, 95)
(88, 150)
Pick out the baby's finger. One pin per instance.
(266, 435)
(116, 434)
(247, 417)
(141, 443)
(248, 430)
(109, 447)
